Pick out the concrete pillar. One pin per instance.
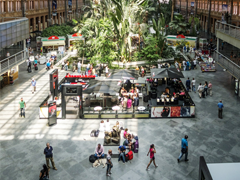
(34, 24)
(218, 44)
(24, 48)
(237, 8)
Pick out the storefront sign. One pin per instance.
(53, 38)
(173, 111)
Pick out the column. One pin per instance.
(34, 23)
(24, 48)
(218, 44)
(237, 8)
(59, 19)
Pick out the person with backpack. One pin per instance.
(99, 152)
(152, 151)
(109, 163)
(122, 150)
(44, 174)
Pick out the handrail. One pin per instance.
(227, 24)
(227, 58)
(229, 29)
(12, 56)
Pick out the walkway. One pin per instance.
(22, 140)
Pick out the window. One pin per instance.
(2, 6)
(212, 7)
(41, 4)
(216, 6)
(235, 7)
(45, 4)
(31, 5)
(36, 5)
(18, 5)
(10, 6)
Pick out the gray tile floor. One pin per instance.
(22, 140)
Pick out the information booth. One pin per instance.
(52, 43)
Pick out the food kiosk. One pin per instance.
(52, 43)
(172, 40)
(73, 38)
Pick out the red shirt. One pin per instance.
(151, 153)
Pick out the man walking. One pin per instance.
(200, 90)
(193, 85)
(109, 163)
(210, 88)
(220, 109)
(29, 63)
(188, 83)
(49, 155)
(184, 149)
(79, 67)
(184, 65)
(33, 84)
(22, 106)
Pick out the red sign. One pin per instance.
(181, 36)
(53, 38)
(76, 34)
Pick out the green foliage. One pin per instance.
(62, 30)
(178, 24)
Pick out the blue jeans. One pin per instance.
(79, 70)
(193, 88)
(181, 154)
(87, 71)
(187, 68)
(188, 87)
(123, 157)
(102, 156)
(205, 90)
(66, 68)
(109, 167)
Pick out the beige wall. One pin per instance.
(36, 12)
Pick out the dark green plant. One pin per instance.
(62, 30)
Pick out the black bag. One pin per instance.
(184, 150)
(96, 133)
(92, 134)
(36, 68)
(92, 158)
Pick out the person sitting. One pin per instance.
(182, 93)
(176, 97)
(44, 173)
(125, 133)
(121, 150)
(163, 95)
(131, 90)
(123, 90)
(136, 90)
(48, 65)
(35, 62)
(99, 152)
(128, 142)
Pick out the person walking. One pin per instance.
(188, 83)
(210, 88)
(44, 173)
(193, 85)
(106, 71)
(49, 156)
(87, 68)
(22, 106)
(200, 90)
(184, 65)
(109, 163)
(66, 66)
(33, 84)
(188, 64)
(29, 64)
(79, 67)
(220, 109)
(184, 149)
(152, 151)
(206, 88)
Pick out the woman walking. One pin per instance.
(152, 150)
(44, 173)
(206, 88)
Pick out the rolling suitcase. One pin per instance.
(136, 146)
(129, 156)
(107, 139)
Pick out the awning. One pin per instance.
(53, 43)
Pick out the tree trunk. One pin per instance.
(23, 8)
(186, 11)
(180, 6)
(209, 17)
(196, 4)
(173, 4)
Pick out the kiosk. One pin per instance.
(73, 38)
(52, 43)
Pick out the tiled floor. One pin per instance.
(22, 140)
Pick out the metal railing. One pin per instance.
(228, 64)
(13, 60)
(229, 29)
(4, 19)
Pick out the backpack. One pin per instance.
(92, 158)
(92, 134)
(96, 133)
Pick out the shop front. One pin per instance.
(53, 43)
(190, 41)
(74, 38)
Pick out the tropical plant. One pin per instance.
(62, 30)
(178, 24)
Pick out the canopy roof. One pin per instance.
(124, 74)
(166, 72)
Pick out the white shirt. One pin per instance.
(79, 65)
(159, 66)
(200, 87)
(195, 62)
(88, 66)
(193, 82)
(8, 54)
(106, 69)
(184, 63)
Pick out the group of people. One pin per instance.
(129, 99)
(187, 65)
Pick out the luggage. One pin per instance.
(92, 134)
(36, 68)
(115, 140)
(29, 70)
(107, 139)
(129, 155)
(136, 146)
(96, 133)
(145, 98)
(92, 158)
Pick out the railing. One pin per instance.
(13, 60)
(4, 19)
(229, 29)
(229, 65)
